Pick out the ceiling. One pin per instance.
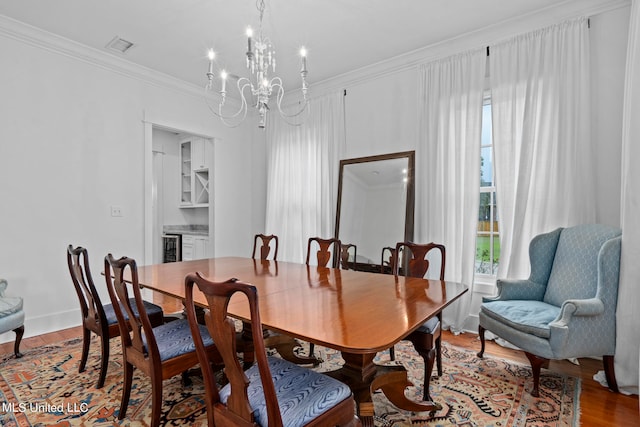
(172, 36)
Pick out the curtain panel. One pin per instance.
(541, 136)
(627, 357)
(450, 95)
(302, 175)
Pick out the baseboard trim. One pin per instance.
(34, 326)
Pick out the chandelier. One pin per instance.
(261, 61)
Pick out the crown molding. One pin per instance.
(41, 39)
(481, 38)
(567, 9)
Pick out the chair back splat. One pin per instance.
(418, 263)
(268, 393)
(265, 248)
(324, 254)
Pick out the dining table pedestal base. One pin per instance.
(364, 377)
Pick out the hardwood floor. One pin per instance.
(599, 406)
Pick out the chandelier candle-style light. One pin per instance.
(261, 60)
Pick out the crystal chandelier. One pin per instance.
(261, 60)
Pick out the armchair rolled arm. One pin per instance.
(578, 307)
(523, 289)
(3, 286)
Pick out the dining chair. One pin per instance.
(96, 317)
(347, 251)
(387, 264)
(327, 247)
(273, 391)
(160, 352)
(266, 246)
(427, 338)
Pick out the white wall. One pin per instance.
(608, 58)
(72, 145)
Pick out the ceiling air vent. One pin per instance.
(119, 45)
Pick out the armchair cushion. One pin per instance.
(10, 305)
(530, 317)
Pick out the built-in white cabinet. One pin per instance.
(195, 159)
(194, 247)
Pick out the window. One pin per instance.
(487, 240)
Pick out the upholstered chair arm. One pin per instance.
(3, 286)
(578, 307)
(517, 290)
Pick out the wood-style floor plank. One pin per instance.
(599, 406)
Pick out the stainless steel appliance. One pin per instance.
(171, 247)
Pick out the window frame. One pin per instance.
(493, 232)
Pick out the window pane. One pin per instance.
(496, 255)
(483, 254)
(486, 167)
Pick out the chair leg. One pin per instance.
(312, 348)
(86, 343)
(156, 402)
(104, 363)
(16, 347)
(481, 334)
(429, 356)
(424, 346)
(392, 353)
(536, 364)
(126, 389)
(439, 355)
(610, 373)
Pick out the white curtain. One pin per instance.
(450, 93)
(628, 316)
(543, 153)
(302, 174)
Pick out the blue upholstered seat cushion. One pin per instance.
(429, 326)
(174, 339)
(303, 394)
(531, 317)
(150, 308)
(10, 305)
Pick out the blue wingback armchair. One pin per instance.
(11, 316)
(567, 307)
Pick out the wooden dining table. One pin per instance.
(356, 313)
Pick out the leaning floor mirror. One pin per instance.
(375, 206)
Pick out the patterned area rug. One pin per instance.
(44, 388)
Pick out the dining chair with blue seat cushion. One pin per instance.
(567, 306)
(160, 352)
(272, 392)
(11, 316)
(96, 317)
(415, 260)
